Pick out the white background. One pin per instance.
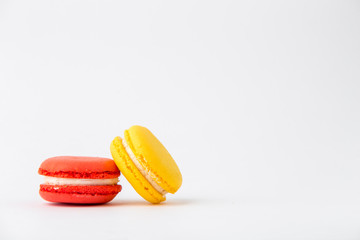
(258, 102)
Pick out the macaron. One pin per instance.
(79, 180)
(146, 164)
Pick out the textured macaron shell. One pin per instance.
(154, 158)
(79, 194)
(79, 167)
(132, 174)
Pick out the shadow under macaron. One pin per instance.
(125, 203)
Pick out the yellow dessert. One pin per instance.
(146, 164)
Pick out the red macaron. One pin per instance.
(80, 180)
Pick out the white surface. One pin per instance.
(257, 101)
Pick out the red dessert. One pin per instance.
(82, 180)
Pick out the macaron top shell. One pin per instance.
(154, 158)
(79, 167)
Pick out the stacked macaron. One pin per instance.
(86, 180)
(141, 158)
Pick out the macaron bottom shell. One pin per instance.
(79, 194)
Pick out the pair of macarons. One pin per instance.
(139, 156)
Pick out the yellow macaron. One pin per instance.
(146, 164)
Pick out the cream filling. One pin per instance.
(143, 171)
(79, 181)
